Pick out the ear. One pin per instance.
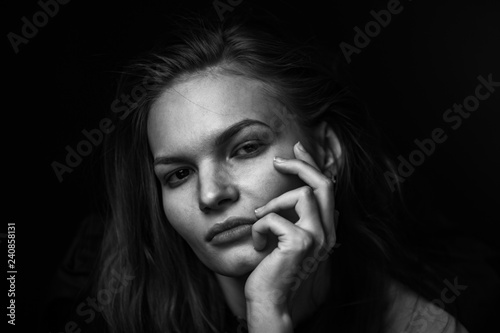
(329, 149)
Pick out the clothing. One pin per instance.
(408, 313)
(411, 313)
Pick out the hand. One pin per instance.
(271, 288)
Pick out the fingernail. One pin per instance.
(279, 159)
(300, 146)
(257, 210)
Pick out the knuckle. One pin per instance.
(306, 191)
(305, 241)
(322, 241)
(328, 183)
(269, 217)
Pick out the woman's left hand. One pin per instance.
(277, 282)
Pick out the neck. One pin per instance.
(306, 302)
(233, 289)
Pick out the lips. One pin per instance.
(231, 230)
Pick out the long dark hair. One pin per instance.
(172, 290)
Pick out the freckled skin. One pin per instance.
(183, 123)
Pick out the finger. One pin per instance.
(305, 171)
(302, 154)
(304, 202)
(323, 187)
(327, 206)
(290, 237)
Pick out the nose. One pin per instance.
(216, 188)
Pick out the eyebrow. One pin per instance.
(220, 139)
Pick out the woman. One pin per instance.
(248, 192)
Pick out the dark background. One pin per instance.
(63, 81)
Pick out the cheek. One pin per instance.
(183, 221)
(179, 215)
(261, 182)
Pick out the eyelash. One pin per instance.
(248, 144)
(256, 144)
(171, 174)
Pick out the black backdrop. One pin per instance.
(63, 79)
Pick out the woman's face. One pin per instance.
(213, 139)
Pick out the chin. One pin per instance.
(239, 260)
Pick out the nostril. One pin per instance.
(216, 194)
(224, 201)
(204, 208)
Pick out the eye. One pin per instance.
(177, 177)
(248, 148)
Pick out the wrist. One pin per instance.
(268, 317)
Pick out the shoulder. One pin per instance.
(410, 313)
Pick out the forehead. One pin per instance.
(203, 105)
